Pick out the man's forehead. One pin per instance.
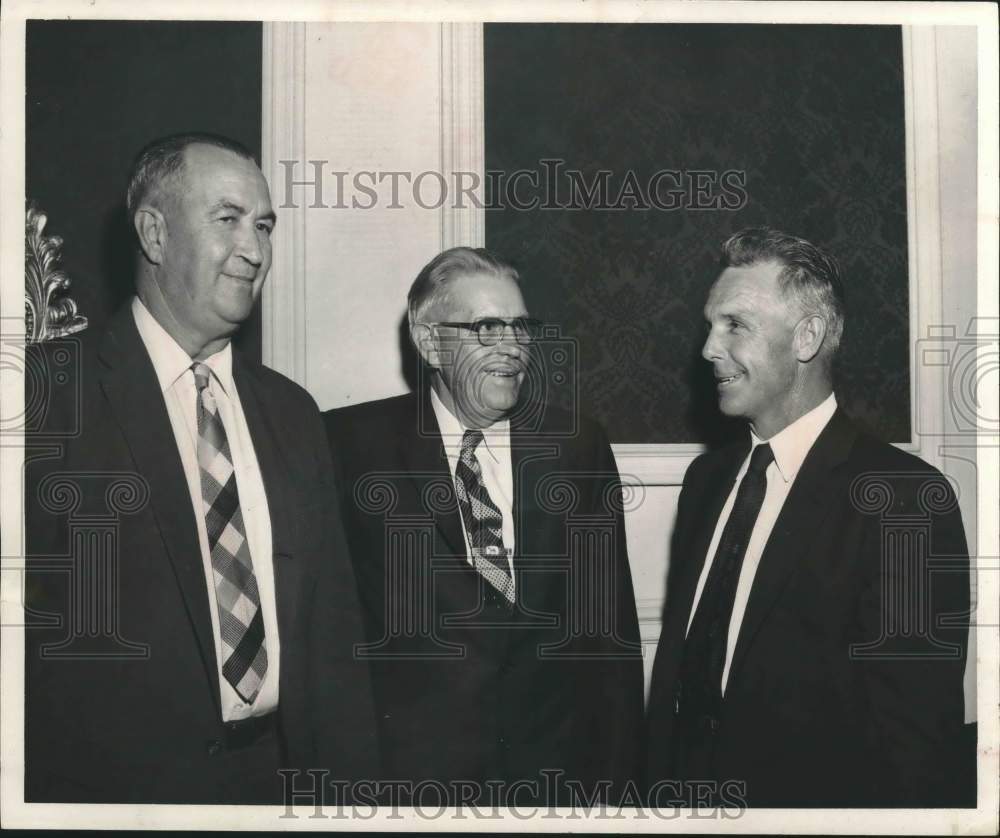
(198, 154)
(747, 286)
(482, 295)
(217, 168)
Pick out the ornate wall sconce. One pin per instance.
(48, 310)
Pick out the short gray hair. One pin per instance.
(432, 282)
(810, 276)
(163, 159)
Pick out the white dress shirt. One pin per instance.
(176, 379)
(493, 455)
(790, 447)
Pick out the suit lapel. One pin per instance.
(533, 456)
(277, 488)
(797, 526)
(525, 447)
(427, 466)
(129, 382)
(693, 549)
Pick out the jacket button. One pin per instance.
(214, 747)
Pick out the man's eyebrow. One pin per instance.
(239, 208)
(229, 205)
(736, 310)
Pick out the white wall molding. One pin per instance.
(928, 390)
(283, 120)
(463, 153)
(655, 465)
(650, 611)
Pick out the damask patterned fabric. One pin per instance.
(811, 119)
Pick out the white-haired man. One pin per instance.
(489, 542)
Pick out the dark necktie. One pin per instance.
(699, 698)
(241, 623)
(483, 520)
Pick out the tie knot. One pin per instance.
(202, 374)
(761, 458)
(470, 439)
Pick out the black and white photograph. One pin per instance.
(505, 416)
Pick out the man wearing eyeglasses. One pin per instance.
(490, 550)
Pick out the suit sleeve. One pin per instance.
(625, 675)
(52, 720)
(342, 709)
(917, 606)
(660, 708)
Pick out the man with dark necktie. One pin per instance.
(785, 674)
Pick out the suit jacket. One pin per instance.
(133, 714)
(845, 687)
(466, 689)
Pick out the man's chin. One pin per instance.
(234, 316)
(503, 402)
(491, 410)
(730, 407)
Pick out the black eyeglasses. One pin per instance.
(490, 330)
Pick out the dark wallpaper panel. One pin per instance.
(97, 92)
(807, 122)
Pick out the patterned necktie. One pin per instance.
(241, 623)
(483, 521)
(705, 646)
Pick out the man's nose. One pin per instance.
(249, 247)
(712, 350)
(509, 342)
(510, 348)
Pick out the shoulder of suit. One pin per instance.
(59, 378)
(714, 459)
(866, 452)
(914, 483)
(365, 417)
(870, 452)
(565, 424)
(293, 396)
(77, 349)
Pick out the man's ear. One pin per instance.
(151, 229)
(423, 339)
(810, 332)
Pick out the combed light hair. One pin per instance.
(810, 277)
(431, 285)
(163, 159)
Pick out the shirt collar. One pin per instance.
(170, 361)
(791, 444)
(495, 436)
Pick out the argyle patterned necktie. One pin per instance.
(241, 623)
(483, 521)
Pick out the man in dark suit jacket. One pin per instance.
(191, 603)
(489, 541)
(814, 634)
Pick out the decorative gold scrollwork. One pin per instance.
(48, 311)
